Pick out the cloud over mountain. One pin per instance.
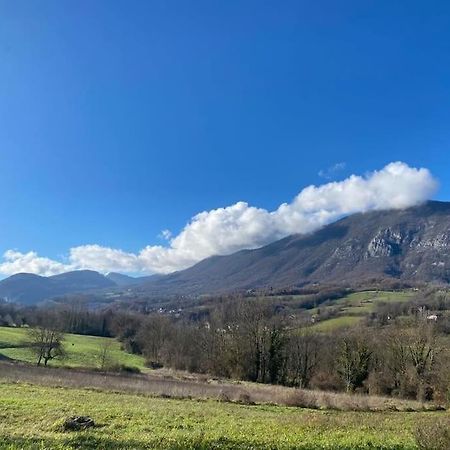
(15, 262)
(232, 228)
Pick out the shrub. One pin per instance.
(122, 368)
(302, 399)
(326, 382)
(154, 365)
(379, 383)
(224, 397)
(245, 399)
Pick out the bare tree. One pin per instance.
(104, 355)
(396, 357)
(46, 343)
(422, 350)
(302, 358)
(353, 361)
(152, 336)
(410, 356)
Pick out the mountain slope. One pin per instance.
(25, 288)
(28, 288)
(124, 280)
(411, 244)
(120, 279)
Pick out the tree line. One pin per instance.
(396, 352)
(247, 341)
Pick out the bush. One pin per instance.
(122, 368)
(425, 393)
(302, 399)
(434, 436)
(224, 397)
(154, 365)
(245, 399)
(323, 381)
(379, 383)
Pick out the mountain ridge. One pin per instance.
(398, 244)
(411, 244)
(30, 288)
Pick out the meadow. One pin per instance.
(368, 299)
(337, 322)
(32, 417)
(354, 307)
(82, 351)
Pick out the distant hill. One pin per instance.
(28, 288)
(120, 279)
(411, 244)
(124, 280)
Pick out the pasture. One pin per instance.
(352, 308)
(82, 351)
(336, 322)
(32, 416)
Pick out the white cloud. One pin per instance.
(103, 259)
(15, 262)
(239, 226)
(329, 172)
(166, 235)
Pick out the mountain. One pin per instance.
(124, 280)
(28, 288)
(120, 279)
(25, 288)
(411, 244)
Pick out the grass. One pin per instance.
(353, 307)
(336, 323)
(359, 310)
(31, 416)
(371, 297)
(362, 303)
(82, 351)
(174, 384)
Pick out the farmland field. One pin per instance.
(372, 297)
(32, 416)
(82, 351)
(352, 308)
(337, 322)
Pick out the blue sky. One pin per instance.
(122, 119)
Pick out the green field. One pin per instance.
(336, 322)
(366, 298)
(82, 351)
(353, 307)
(31, 417)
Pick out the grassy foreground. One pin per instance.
(82, 351)
(31, 417)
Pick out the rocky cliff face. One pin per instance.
(386, 242)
